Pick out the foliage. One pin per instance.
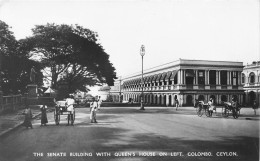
(15, 66)
(72, 54)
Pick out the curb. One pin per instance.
(17, 125)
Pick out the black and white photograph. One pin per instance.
(129, 80)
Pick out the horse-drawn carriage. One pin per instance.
(61, 109)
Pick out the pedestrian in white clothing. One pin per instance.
(93, 110)
(70, 108)
(99, 102)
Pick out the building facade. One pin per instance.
(186, 80)
(251, 82)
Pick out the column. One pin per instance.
(206, 79)
(167, 99)
(194, 80)
(239, 78)
(228, 79)
(217, 83)
(207, 76)
(179, 77)
(184, 77)
(219, 77)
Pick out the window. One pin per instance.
(223, 77)
(234, 78)
(243, 78)
(212, 77)
(252, 77)
(201, 77)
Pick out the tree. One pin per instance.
(71, 53)
(15, 65)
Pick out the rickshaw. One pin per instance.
(201, 108)
(228, 108)
(61, 109)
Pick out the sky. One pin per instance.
(225, 30)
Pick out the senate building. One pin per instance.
(185, 80)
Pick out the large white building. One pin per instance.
(251, 82)
(186, 80)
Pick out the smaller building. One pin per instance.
(251, 83)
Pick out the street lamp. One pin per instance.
(142, 52)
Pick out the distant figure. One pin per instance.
(28, 116)
(211, 107)
(254, 105)
(70, 108)
(32, 75)
(93, 110)
(99, 102)
(44, 119)
(176, 103)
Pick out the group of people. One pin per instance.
(28, 116)
(95, 105)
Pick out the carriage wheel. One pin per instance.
(225, 112)
(200, 111)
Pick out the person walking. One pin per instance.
(70, 108)
(99, 102)
(28, 116)
(176, 103)
(93, 110)
(211, 107)
(44, 119)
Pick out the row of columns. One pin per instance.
(169, 99)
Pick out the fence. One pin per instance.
(11, 102)
(14, 102)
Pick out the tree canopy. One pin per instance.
(15, 66)
(72, 53)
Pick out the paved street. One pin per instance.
(126, 133)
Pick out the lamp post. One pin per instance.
(142, 52)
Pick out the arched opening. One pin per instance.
(156, 99)
(223, 98)
(160, 100)
(189, 100)
(170, 100)
(201, 98)
(252, 77)
(244, 99)
(252, 97)
(164, 100)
